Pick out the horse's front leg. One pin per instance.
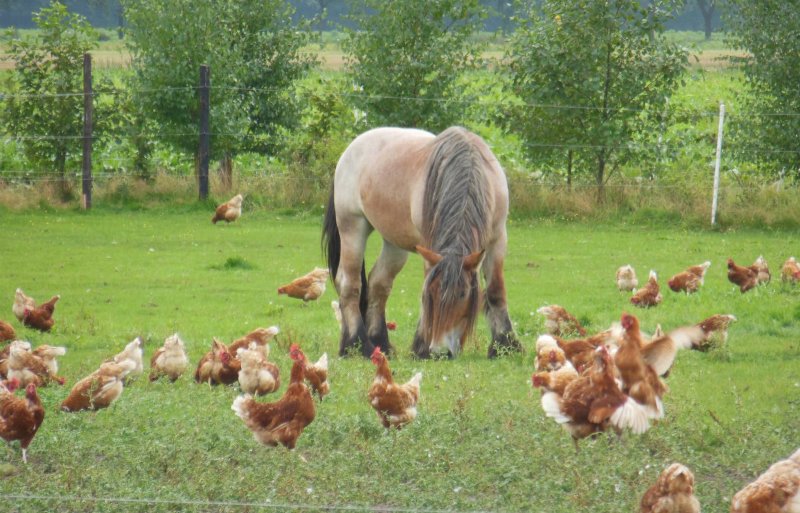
(389, 263)
(349, 285)
(495, 305)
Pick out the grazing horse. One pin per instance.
(444, 197)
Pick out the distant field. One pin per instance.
(481, 441)
(707, 54)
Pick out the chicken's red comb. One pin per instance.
(377, 350)
(294, 347)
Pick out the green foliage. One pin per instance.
(593, 73)
(405, 57)
(234, 263)
(325, 128)
(46, 113)
(253, 49)
(766, 131)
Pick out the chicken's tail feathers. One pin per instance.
(322, 363)
(239, 406)
(631, 415)
(551, 404)
(415, 380)
(653, 275)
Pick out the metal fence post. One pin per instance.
(715, 197)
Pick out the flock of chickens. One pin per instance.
(689, 281)
(245, 360)
(612, 380)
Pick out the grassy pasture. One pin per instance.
(481, 441)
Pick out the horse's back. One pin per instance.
(380, 177)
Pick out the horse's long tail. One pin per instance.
(331, 241)
(332, 248)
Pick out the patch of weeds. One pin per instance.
(234, 263)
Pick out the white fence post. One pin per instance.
(716, 164)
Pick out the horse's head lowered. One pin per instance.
(450, 299)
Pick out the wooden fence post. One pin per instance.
(203, 149)
(86, 197)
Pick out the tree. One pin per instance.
(588, 72)
(405, 56)
(254, 51)
(46, 115)
(769, 121)
(707, 8)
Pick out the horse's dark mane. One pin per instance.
(456, 205)
(455, 216)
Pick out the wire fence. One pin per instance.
(112, 159)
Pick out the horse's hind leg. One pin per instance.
(381, 277)
(495, 305)
(348, 284)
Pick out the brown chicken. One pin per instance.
(229, 211)
(594, 402)
(706, 334)
(282, 421)
(689, 281)
(549, 356)
(133, 352)
(8, 386)
(6, 352)
(660, 352)
(672, 493)
(30, 367)
(99, 389)
(309, 287)
(762, 270)
(745, 277)
(626, 278)
(169, 360)
(261, 336)
(790, 272)
(41, 317)
(7, 332)
(648, 295)
(556, 380)
(218, 366)
(20, 418)
(559, 322)
(775, 491)
(396, 405)
(258, 376)
(639, 379)
(317, 376)
(581, 351)
(22, 302)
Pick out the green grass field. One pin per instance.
(481, 440)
